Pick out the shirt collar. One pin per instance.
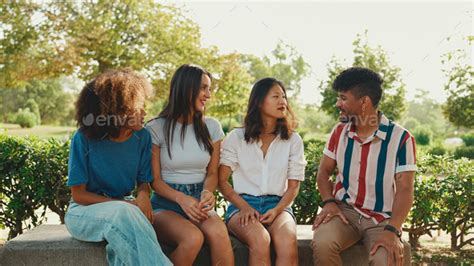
(381, 132)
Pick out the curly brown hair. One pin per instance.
(108, 98)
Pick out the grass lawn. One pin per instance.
(42, 131)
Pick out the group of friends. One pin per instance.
(136, 184)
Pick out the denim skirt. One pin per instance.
(160, 203)
(260, 203)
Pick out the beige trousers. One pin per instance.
(335, 236)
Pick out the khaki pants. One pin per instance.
(335, 236)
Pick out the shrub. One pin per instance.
(26, 118)
(457, 208)
(437, 150)
(423, 217)
(464, 151)
(468, 139)
(443, 199)
(422, 135)
(33, 176)
(307, 202)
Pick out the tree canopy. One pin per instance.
(392, 102)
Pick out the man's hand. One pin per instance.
(393, 245)
(329, 211)
(143, 202)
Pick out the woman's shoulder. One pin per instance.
(238, 132)
(295, 137)
(155, 122)
(212, 122)
(142, 133)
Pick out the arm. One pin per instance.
(189, 204)
(83, 197)
(325, 186)
(143, 200)
(289, 195)
(403, 199)
(210, 182)
(246, 214)
(402, 203)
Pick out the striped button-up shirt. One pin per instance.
(366, 169)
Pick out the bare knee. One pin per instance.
(286, 246)
(193, 241)
(260, 243)
(218, 234)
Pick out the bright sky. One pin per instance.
(413, 34)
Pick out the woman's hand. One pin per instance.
(208, 201)
(246, 215)
(191, 207)
(143, 202)
(269, 216)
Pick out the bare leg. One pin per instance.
(217, 237)
(256, 237)
(174, 229)
(283, 234)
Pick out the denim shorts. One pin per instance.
(160, 203)
(260, 203)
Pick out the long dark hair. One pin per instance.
(184, 89)
(253, 119)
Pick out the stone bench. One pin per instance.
(52, 245)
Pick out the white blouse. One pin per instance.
(257, 175)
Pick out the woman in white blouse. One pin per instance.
(266, 159)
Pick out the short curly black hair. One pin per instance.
(361, 82)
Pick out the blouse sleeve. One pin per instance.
(229, 150)
(296, 161)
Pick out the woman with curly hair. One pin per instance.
(267, 163)
(109, 157)
(186, 147)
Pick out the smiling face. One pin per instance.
(274, 104)
(349, 106)
(204, 94)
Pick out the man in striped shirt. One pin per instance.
(375, 165)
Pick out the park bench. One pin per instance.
(52, 245)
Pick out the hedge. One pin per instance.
(33, 175)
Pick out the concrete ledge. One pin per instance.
(53, 245)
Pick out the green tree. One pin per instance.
(46, 99)
(416, 111)
(85, 38)
(376, 59)
(231, 87)
(459, 106)
(286, 64)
